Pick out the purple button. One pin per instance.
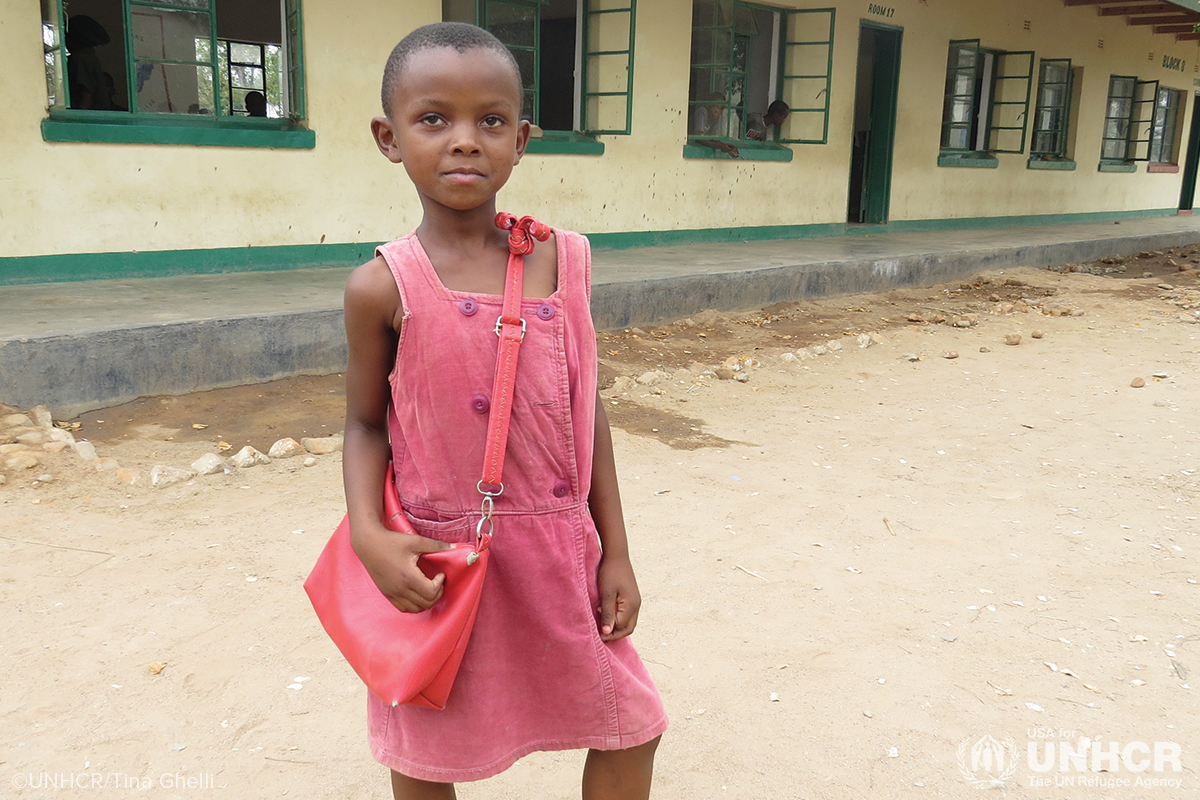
(468, 307)
(561, 489)
(480, 404)
(546, 311)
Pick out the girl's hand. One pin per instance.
(391, 561)
(619, 598)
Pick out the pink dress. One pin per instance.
(536, 675)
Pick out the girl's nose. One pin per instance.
(464, 141)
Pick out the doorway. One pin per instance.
(1191, 164)
(874, 123)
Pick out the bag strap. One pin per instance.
(510, 327)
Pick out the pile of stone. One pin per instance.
(246, 458)
(29, 440)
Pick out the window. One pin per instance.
(575, 56)
(1129, 119)
(1051, 119)
(987, 99)
(1164, 133)
(744, 57)
(134, 69)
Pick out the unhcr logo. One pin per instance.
(988, 763)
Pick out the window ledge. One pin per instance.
(64, 125)
(967, 159)
(1037, 162)
(1155, 167)
(749, 149)
(565, 143)
(1117, 166)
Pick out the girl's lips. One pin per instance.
(463, 176)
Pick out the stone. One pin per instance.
(724, 373)
(106, 464)
(286, 448)
(1077, 312)
(16, 421)
(161, 475)
(681, 375)
(864, 340)
(6, 449)
(41, 417)
(36, 436)
(621, 385)
(54, 447)
(1168, 287)
(333, 444)
(819, 349)
(60, 435)
(3, 479)
(1184, 267)
(19, 461)
(696, 368)
(310, 462)
(86, 450)
(962, 323)
(209, 464)
(985, 349)
(834, 346)
(132, 477)
(787, 358)
(742, 377)
(877, 338)
(1188, 318)
(914, 317)
(247, 457)
(1037, 334)
(1012, 339)
(651, 378)
(1147, 274)
(950, 354)
(1137, 383)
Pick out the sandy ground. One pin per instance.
(855, 565)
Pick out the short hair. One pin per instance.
(779, 108)
(458, 35)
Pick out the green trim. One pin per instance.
(1117, 166)
(970, 159)
(166, 263)
(1050, 163)
(565, 142)
(624, 240)
(122, 127)
(749, 149)
(15, 270)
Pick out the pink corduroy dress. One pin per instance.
(536, 675)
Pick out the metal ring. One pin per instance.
(487, 506)
(479, 488)
(479, 528)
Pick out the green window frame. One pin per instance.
(727, 62)
(1127, 120)
(986, 103)
(604, 49)
(1051, 116)
(1165, 129)
(173, 44)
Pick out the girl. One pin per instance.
(548, 666)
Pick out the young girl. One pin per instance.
(548, 666)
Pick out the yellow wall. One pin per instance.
(74, 197)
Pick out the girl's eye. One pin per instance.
(431, 119)
(493, 121)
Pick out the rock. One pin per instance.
(1168, 287)
(1037, 334)
(1147, 274)
(950, 354)
(16, 421)
(1012, 339)
(104, 464)
(1137, 383)
(914, 317)
(912, 357)
(86, 450)
(310, 461)
(333, 444)
(724, 373)
(41, 417)
(286, 448)
(621, 385)
(961, 322)
(834, 346)
(787, 358)
(45, 477)
(819, 349)
(864, 340)
(33, 437)
(54, 447)
(994, 298)
(161, 475)
(59, 435)
(210, 464)
(8, 449)
(742, 377)
(637, 331)
(1184, 267)
(247, 457)
(696, 368)
(681, 375)
(1189, 318)
(19, 461)
(985, 349)
(877, 338)
(651, 378)
(938, 318)
(804, 355)
(3, 479)
(1004, 308)
(1077, 312)
(128, 476)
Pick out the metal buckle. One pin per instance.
(500, 324)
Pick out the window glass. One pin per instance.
(1116, 118)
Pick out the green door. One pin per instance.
(875, 126)
(1188, 196)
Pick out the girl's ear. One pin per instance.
(523, 129)
(385, 139)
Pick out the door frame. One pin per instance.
(1191, 164)
(878, 162)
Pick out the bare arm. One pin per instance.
(372, 309)
(620, 599)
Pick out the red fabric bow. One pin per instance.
(520, 232)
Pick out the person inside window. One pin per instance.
(256, 104)
(758, 126)
(84, 72)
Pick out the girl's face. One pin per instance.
(455, 125)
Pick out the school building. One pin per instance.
(167, 137)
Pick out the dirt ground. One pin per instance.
(857, 561)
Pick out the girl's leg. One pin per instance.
(619, 774)
(406, 788)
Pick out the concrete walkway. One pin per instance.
(76, 346)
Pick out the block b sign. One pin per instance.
(991, 763)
